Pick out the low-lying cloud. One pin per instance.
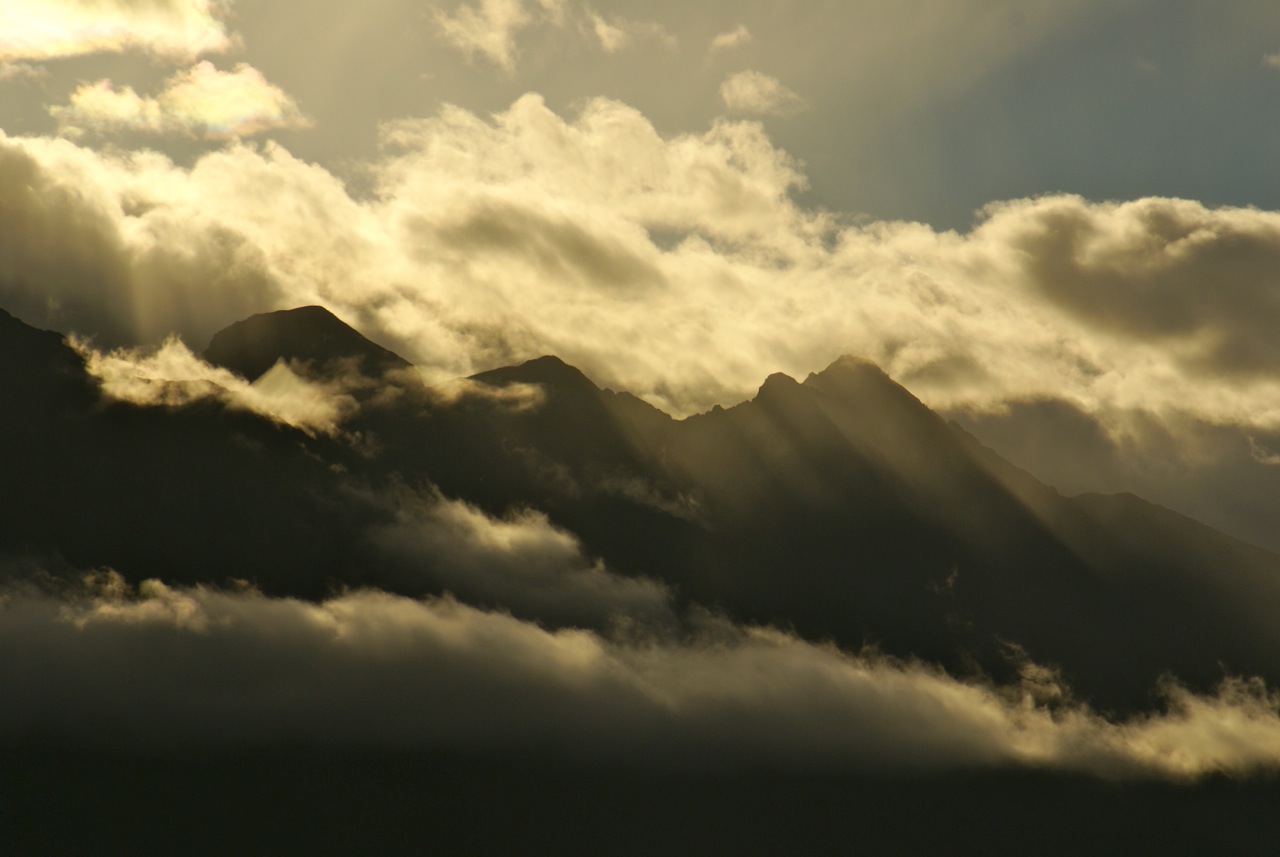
(521, 563)
(172, 376)
(164, 666)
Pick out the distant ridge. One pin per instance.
(310, 334)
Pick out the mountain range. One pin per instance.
(839, 507)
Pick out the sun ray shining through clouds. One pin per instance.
(676, 409)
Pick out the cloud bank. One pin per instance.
(490, 240)
(165, 667)
(678, 267)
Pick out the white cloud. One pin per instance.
(754, 92)
(177, 30)
(488, 28)
(204, 667)
(199, 102)
(1272, 60)
(729, 39)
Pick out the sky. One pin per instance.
(1057, 222)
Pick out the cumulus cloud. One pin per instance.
(488, 28)
(755, 92)
(729, 39)
(167, 666)
(200, 102)
(37, 30)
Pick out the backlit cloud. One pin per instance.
(678, 267)
(201, 102)
(172, 376)
(178, 30)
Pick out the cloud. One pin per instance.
(729, 39)
(22, 71)
(754, 92)
(1272, 60)
(171, 376)
(614, 35)
(167, 666)
(177, 30)
(488, 28)
(521, 563)
(679, 267)
(1199, 282)
(200, 102)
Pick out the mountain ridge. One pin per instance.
(840, 506)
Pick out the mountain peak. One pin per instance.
(309, 334)
(547, 370)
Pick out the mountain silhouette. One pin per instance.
(841, 507)
(310, 335)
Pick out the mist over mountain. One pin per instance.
(839, 506)
(825, 533)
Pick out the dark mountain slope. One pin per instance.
(310, 335)
(188, 494)
(841, 507)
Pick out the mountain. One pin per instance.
(311, 335)
(839, 506)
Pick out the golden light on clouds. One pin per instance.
(38, 30)
(202, 101)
